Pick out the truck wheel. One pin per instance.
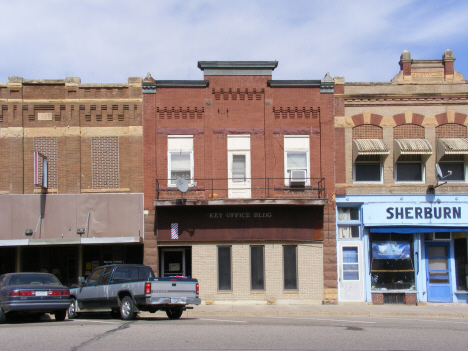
(127, 309)
(2, 316)
(174, 313)
(72, 314)
(60, 316)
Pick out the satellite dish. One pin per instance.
(439, 171)
(182, 184)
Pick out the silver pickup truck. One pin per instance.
(126, 289)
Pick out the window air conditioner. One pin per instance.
(297, 177)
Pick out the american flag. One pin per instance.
(174, 231)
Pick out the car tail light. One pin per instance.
(197, 289)
(66, 292)
(55, 292)
(14, 293)
(147, 288)
(27, 293)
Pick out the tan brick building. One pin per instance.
(254, 218)
(92, 209)
(401, 178)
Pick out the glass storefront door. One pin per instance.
(438, 272)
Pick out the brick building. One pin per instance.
(92, 210)
(254, 219)
(401, 189)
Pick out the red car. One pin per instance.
(32, 294)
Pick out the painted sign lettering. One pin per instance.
(423, 212)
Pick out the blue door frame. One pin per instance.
(438, 280)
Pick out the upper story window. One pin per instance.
(349, 222)
(368, 169)
(368, 156)
(180, 158)
(296, 160)
(451, 156)
(410, 158)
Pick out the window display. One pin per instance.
(392, 266)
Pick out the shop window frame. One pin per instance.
(180, 144)
(448, 160)
(299, 145)
(351, 223)
(254, 269)
(410, 159)
(286, 266)
(229, 247)
(360, 160)
(353, 263)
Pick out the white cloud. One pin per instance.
(109, 41)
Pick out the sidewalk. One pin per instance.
(361, 310)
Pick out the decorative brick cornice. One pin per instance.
(296, 131)
(238, 131)
(180, 131)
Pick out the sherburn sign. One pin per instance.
(415, 213)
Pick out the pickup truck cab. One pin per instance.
(125, 289)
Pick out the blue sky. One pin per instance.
(108, 41)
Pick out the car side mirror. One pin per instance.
(81, 280)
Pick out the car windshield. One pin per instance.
(33, 279)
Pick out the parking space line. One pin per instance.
(93, 321)
(435, 320)
(222, 320)
(325, 319)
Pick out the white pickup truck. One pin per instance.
(126, 289)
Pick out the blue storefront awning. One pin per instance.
(411, 230)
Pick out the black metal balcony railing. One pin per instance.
(254, 188)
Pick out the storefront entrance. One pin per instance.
(175, 262)
(438, 272)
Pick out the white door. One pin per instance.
(350, 271)
(239, 182)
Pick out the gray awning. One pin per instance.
(412, 147)
(369, 147)
(451, 146)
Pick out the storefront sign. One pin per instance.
(243, 223)
(240, 215)
(415, 213)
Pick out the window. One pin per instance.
(392, 266)
(348, 222)
(106, 275)
(290, 267)
(257, 268)
(453, 168)
(94, 277)
(180, 158)
(410, 168)
(224, 268)
(350, 263)
(296, 158)
(368, 168)
(461, 264)
(238, 168)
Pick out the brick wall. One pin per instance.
(48, 147)
(310, 273)
(243, 105)
(105, 162)
(60, 119)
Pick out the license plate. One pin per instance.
(41, 293)
(176, 300)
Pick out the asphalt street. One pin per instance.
(156, 332)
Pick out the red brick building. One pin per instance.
(255, 218)
(92, 210)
